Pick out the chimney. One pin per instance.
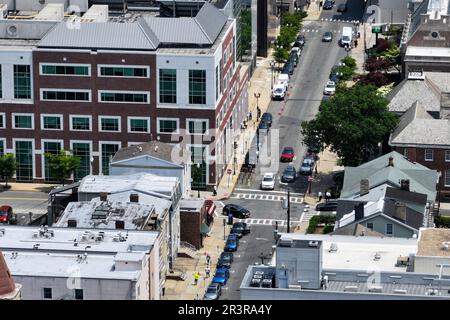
(400, 211)
(134, 197)
(359, 211)
(103, 196)
(120, 224)
(391, 162)
(364, 187)
(7, 285)
(404, 184)
(445, 106)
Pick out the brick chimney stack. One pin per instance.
(8, 289)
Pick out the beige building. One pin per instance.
(433, 252)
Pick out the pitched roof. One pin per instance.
(154, 149)
(417, 127)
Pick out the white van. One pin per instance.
(346, 39)
(279, 92)
(283, 78)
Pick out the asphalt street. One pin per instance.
(302, 104)
(24, 202)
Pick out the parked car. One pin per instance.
(342, 7)
(213, 291)
(289, 174)
(306, 168)
(287, 154)
(240, 228)
(263, 125)
(221, 276)
(232, 244)
(314, 148)
(288, 68)
(297, 51)
(267, 117)
(330, 88)
(310, 158)
(293, 59)
(236, 210)
(6, 214)
(268, 181)
(284, 79)
(278, 92)
(335, 74)
(226, 258)
(327, 36)
(325, 98)
(301, 40)
(327, 206)
(328, 5)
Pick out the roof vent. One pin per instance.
(400, 291)
(156, 148)
(376, 289)
(391, 162)
(313, 244)
(351, 288)
(333, 247)
(12, 30)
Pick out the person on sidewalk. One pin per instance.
(196, 277)
(320, 196)
(328, 195)
(207, 271)
(215, 191)
(249, 116)
(208, 259)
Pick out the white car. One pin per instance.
(297, 51)
(268, 182)
(330, 88)
(279, 91)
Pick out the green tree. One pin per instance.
(392, 55)
(281, 55)
(63, 165)
(246, 32)
(352, 124)
(8, 166)
(348, 68)
(196, 175)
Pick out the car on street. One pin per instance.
(301, 40)
(232, 244)
(268, 181)
(225, 260)
(267, 117)
(236, 210)
(288, 68)
(240, 228)
(213, 291)
(6, 214)
(327, 36)
(328, 5)
(306, 168)
(325, 98)
(263, 125)
(330, 88)
(335, 74)
(221, 276)
(297, 51)
(342, 7)
(289, 174)
(278, 92)
(310, 158)
(327, 206)
(314, 148)
(293, 58)
(287, 154)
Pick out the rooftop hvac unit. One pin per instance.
(255, 283)
(85, 237)
(333, 247)
(400, 291)
(259, 272)
(314, 244)
(2, 232)
(266, 283)
(295, 286)
(116, 239)
(351, 288)
(286, 242)
(36, 234)
(257, 276)
(376, 289)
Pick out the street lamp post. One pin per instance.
(198, 181)
(272, 65)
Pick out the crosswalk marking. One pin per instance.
(318, 30)
(268, 222)
(264, 197)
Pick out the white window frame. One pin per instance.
(138, 118)
(91, 152)
(198, 120)
(41, 94)
(99, 96)
(109, 117)
(42, 64)
(13, 120)
(445, 180)
(163, 118)
(60, 116)
(43, 153)
(445, 155)
(391, 234)
(3, 114)
(100, 143)
(71, 116)
(33, 147)
(99, 66)
(432, 155)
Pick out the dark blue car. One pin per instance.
(221, 276)
(232, 243)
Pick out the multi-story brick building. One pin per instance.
(98, 83)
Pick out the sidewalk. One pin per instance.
(30, 187)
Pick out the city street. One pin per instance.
(24, 202)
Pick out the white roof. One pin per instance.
(369, 209)
(428, 51)
(357, 253)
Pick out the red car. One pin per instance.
(287, 154)
(6, 214)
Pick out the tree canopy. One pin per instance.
(352, 124)
(8, 166)
(63, 165)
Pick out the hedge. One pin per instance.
(442, 222)
(327, 219)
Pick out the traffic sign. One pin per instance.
(376, 29)
(229, 171)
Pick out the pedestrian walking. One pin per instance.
(250, 116)
(208, 259)
(207, 271)
(215, 191)
(356, 43)
(328, 195)
(196, 277)
(320, 196)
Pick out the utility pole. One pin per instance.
(289, 212)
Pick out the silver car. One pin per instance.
(327, 36)
(213, 292)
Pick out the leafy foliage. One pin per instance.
(246, 32)
(442, 222)
(327, 219)
(8, 166)
(290, 27)
(376, 64)
(196, 175)
(351, 124)
(377, 79)
(62, 164)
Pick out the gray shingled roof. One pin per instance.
(211, 20)
(153, 148)
(108, 35)
(417, 127)
(410, 91)
(25, 29)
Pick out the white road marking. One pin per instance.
(261, 239)
(257, 190)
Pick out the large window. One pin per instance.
(428, 154)
(447, 178)
(168, 86)
(370, 226)
(197, 126)
(59, 95)
(197, 87)
(108, 152)
(128, 97)
(138, 125)
(2, 121)
(167, 125)
(53, 147)
(110, 124)
(80, 123)
(47, 292)
(2, 147)
(22, 82)
(79, 294)
(70, 70)
(447, 155)
(83, 151)
(21, 121)
(24, 157)
(131, 72)
(51, 122)
(217, 82)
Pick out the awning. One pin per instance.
(212, 209)
(204, 229)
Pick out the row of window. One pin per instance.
(84, 70)
(48, 293)
(103, 96)
(429, 155)
(106, 123)
(389, 230)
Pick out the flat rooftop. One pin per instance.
(427, 52)
(358, 253)
(431, 242)
(28, 238)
